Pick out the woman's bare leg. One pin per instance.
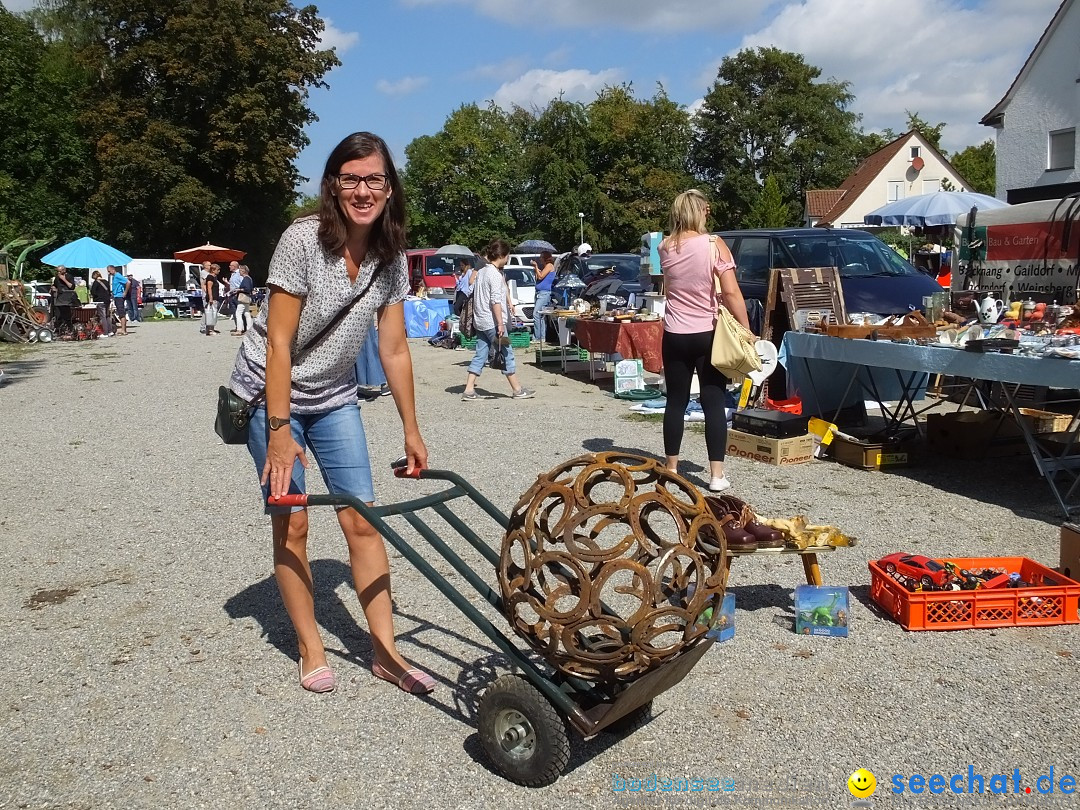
(293, 575)
(371, 576)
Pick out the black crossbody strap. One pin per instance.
(341, 313)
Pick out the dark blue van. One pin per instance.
(875, 278)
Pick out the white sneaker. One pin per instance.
(719, 484)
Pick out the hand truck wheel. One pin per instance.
(522, 733)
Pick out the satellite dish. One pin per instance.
(917, 163)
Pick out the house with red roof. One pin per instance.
(905, 167)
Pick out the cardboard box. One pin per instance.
(821, 611)
(868, 455)
(777, 452)
(1070, 551)
(974, 435)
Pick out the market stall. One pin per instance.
(1058, 459)
(633, 340)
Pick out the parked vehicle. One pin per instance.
(435, 271)
(522, 282)
(617, 274)
(874, 278)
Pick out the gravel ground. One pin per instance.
(148, 661)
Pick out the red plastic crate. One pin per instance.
(1052, 599)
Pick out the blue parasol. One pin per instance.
(85, 252)
(929, 210)
(535, 246)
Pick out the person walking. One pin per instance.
(243, 292)
(120, 285)
(545, 277)
(100, 295)
(334, 271)
(691, 259)
(491, 310)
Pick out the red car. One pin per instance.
(929, 572)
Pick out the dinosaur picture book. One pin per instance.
(821, 610)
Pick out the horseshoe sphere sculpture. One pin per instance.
(609, 564)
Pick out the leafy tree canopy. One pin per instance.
(769, 114)
(196, 111)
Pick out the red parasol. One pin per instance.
(209, 253)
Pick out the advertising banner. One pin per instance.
(1022, 250)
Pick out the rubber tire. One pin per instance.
(41, 315)
(890, 567)
(926, 582)
(639, 717)
(552, 747)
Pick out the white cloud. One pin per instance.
(15, 6)
(401, 87)
(638, 15)
(337, 39)
(932, 57)
(537, 87)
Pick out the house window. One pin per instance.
(915, 151)
(931, 185)
(896, 190)
(1062, 152)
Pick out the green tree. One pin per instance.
(637, 152)
(978, 165)
(561, 183)
(931, 132)
(459, 182)
(769, 209)
(197, 113)
(768, 114)
(46, 166)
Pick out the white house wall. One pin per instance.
(899, 169)
(1048, 99)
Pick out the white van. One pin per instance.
(166, 274)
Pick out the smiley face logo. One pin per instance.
(862, 784)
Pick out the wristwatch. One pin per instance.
(275, 422)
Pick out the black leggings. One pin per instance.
(683, 355)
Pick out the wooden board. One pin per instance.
(912, 325)
(812, 288)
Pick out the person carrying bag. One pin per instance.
(698, 270)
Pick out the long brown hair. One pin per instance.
(388, 234)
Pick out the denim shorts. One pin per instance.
(335, 441)
(485, 340)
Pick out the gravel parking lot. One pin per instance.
(149, 663)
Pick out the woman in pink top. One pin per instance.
(689, 262)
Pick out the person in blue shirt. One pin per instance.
(120, 288)
(545, 277)
(465, 274)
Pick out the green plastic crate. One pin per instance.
(520, 340)
(468, 343)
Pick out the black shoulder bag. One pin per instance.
(234, 412)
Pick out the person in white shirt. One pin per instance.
(491, 300)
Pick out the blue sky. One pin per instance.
(407, 64)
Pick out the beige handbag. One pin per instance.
(733, 352)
